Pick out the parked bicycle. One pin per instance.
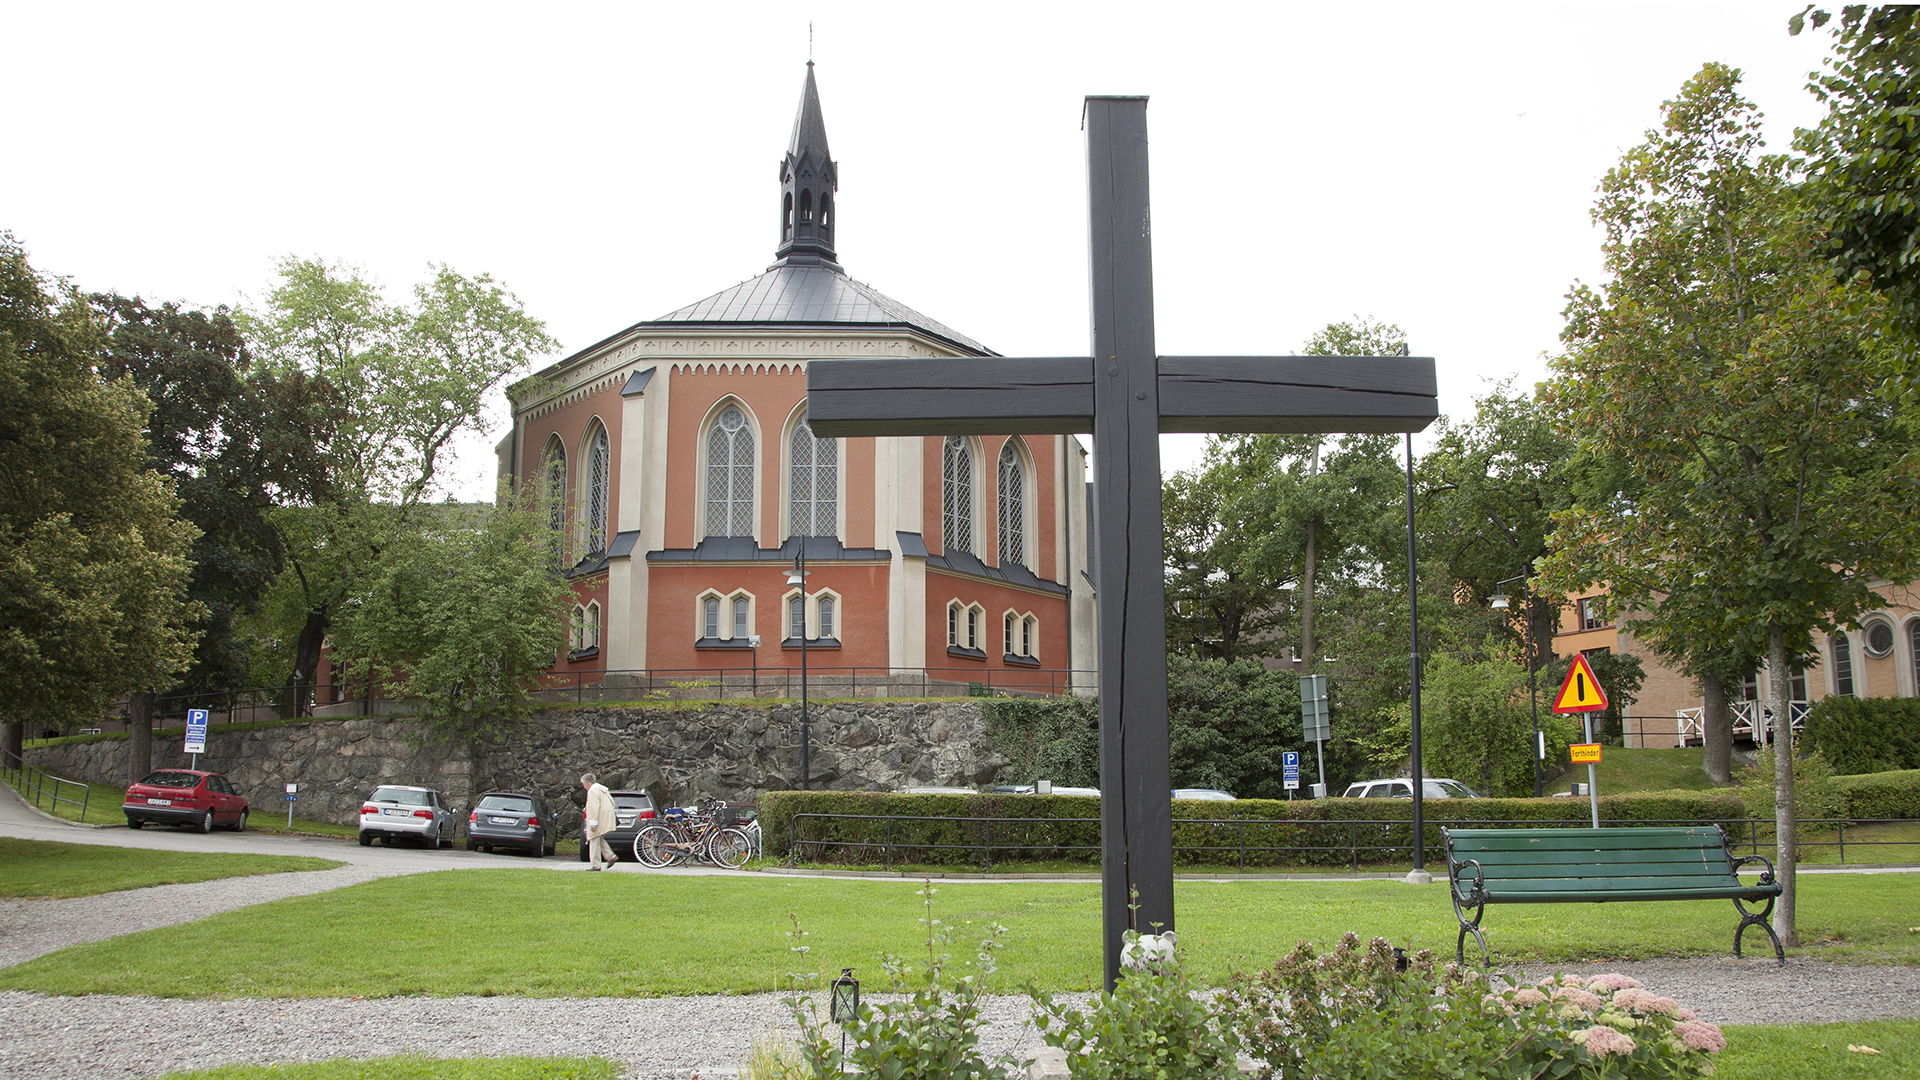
(695, 833)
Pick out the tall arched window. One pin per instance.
(1913, 652)
(813, 484)
(553, 492)
(1842, 665)
(730, 475)
(597, 469)
(1013, 507)
(956, 495)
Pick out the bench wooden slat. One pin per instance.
(1667, 857)
(1518, 886)
(1588, 896)
(1696, 873)
(1574, 839)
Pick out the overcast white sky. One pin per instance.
(1429, 165)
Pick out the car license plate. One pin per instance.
(503, 821)
(396, 813)
(159, 802)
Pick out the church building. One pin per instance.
(677, 472)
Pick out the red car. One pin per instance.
(185, 797)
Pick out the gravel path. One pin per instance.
(127, 1038)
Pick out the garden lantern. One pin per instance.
(845, 1006)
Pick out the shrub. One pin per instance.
(1056, 739)
(933, 1035)
(1865, 735)
(1881, 795)
(1275, 832)
(1150, 1025)
(1363, 1011)
(1816, 791)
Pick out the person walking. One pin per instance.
(599, 821)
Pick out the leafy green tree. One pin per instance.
(1740, 382)
(408, 378)
(93, 555)
(463, 612)
(1488, 492)
(231, 440)
(1865, 162)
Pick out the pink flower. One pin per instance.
(1613, 981)
(1528, 996)
(1684, 1014)
(1700, 1035)
(1601, 1040)
(1573, 995)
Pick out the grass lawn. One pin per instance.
(1622, 770)
(416, 1068)
(540, 934)
(1819, 1051)
(42, 869)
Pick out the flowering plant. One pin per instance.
(1150, 1025)
(1614, 1028)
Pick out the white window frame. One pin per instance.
(796, 424)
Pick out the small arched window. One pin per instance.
(806, 208)
(956, 495)
(813, 484)
(824, 605)
(796, 617)
(1007, 624)
(590, 633)
(742, 610)
(1029, 629)
(826, 214)
(730, 474)
(598, 466)
(710, 618)
(786, 217)
(953, 625)
(1012, 506)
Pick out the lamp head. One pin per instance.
(1499, 602)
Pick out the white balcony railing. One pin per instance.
(1744, 713)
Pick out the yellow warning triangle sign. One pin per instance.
(1581, 692)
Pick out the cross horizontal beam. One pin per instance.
(1054, 395)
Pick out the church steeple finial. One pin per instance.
(809, 178)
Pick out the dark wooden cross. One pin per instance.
(1126, 394)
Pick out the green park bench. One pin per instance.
(1597, 866)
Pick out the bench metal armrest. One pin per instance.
(1479, 888)
(1766, 876)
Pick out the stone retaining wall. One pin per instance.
(731, 750)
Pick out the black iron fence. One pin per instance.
(1243, 843)
(43, 789)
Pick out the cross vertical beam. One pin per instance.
(1136, 801)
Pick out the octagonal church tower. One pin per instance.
(680, 479)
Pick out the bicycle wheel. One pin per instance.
(729, 848)
(655, 847)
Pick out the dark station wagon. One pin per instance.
(512, 819)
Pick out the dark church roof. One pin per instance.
(811, 295)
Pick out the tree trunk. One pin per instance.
(1783, 816)
(306, 660)
(139, 735)
(15, 737)
(1306, 595)
(1716, 729)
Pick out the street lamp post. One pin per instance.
(1500, 603)
(798, 576)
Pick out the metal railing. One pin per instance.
(35, 783)
(1342, 843)
(1693, 732)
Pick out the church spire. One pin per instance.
(808, 180)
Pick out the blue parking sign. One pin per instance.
(196, 731)
(1290, 768)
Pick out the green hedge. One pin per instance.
(1865, 735)
(1882, 795)
(1276, 833)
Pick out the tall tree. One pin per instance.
(1723, 363)
(1865, 162)
(230, 439)
(1488, 492)
(408, 378)
(464, 613)
(93, 555)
